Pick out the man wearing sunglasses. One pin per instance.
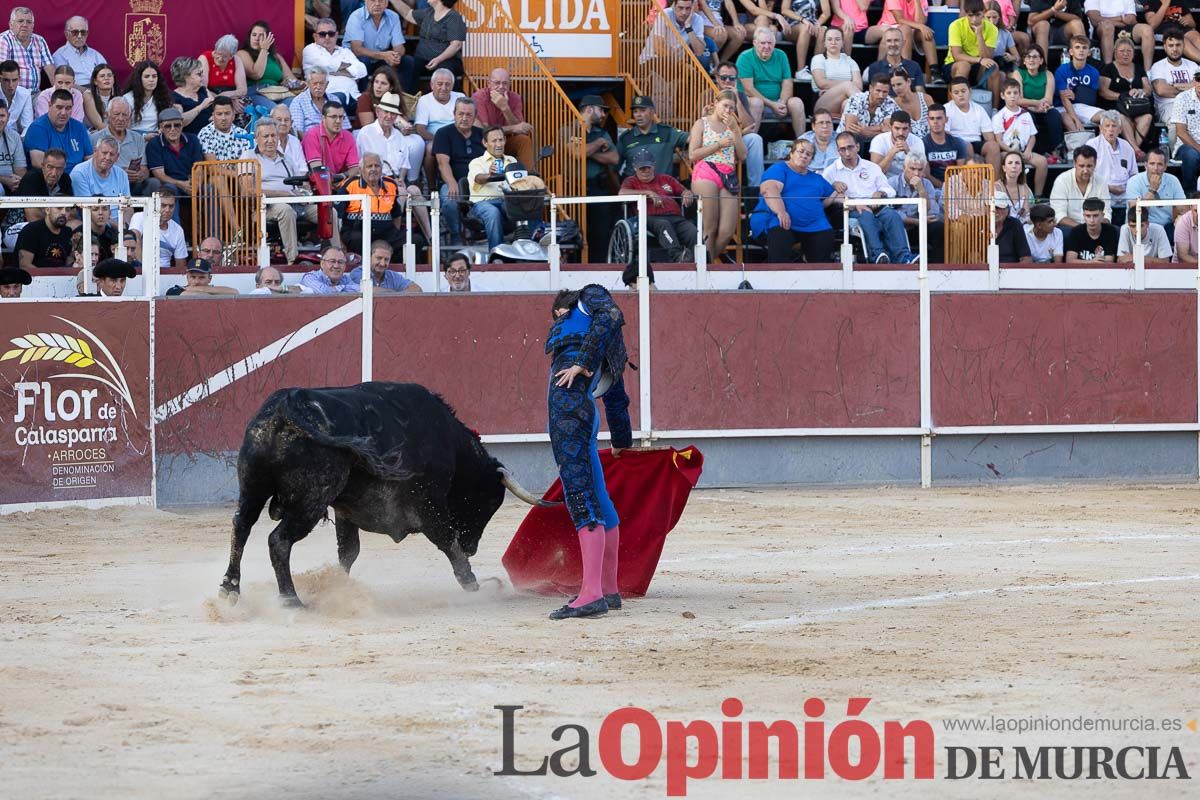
(344, 68)
(172, 153)
(76, 53)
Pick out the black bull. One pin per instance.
(388, 457)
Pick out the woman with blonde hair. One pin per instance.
(715, 147)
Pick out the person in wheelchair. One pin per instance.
(664, 207)
(483, 176)
(791, 209)
(387, 206)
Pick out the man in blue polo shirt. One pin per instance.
(374, 33)
(382, 277)
(56, 129)
(98, 176)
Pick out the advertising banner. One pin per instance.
(572, 37)
(75, 402)
(128, 31)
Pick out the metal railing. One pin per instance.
(659, 62)
(967, 203)
(150, 236)
(225, 204)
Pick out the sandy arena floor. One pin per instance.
(120, 676)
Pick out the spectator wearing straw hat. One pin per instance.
(498, 104)
(402, 154)
(661, 141)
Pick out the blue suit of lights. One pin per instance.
(589, 335)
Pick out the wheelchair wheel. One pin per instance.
(621, 243)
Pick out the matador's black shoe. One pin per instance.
(614, 601)
(592, 609)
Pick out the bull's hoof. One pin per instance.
(229, 592)
(470, 586)
(290, 601)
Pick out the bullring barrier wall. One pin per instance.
(777, 387)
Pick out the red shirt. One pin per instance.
(338, 154)
(220, 79)
(487, 113)
(664, 185)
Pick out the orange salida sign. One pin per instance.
(572, 37)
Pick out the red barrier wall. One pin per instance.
(201, 338)
(784, 360)
(76, 405)
(721, 360)
(484, 353)
(1037, 359)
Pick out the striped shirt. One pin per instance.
(30, 58)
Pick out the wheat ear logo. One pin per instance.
(74, 351)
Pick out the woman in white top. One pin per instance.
(835, 75)
(147, 95)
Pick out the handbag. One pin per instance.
(1134, 106)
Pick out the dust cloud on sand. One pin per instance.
(122, 675)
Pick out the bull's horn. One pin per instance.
(520, 491)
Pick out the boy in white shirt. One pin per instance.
(969, 122)
(1155, 244)
(1016, 131)
(1044, 237)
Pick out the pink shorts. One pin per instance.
(708, 171)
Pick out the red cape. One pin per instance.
(649, 489)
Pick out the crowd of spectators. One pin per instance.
(68, 128)
(1103, 127)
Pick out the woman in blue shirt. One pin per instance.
(791, 208)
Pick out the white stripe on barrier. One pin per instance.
(280, 347)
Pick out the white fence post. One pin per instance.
(700, 251)
(926, 345)
(367, 285)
